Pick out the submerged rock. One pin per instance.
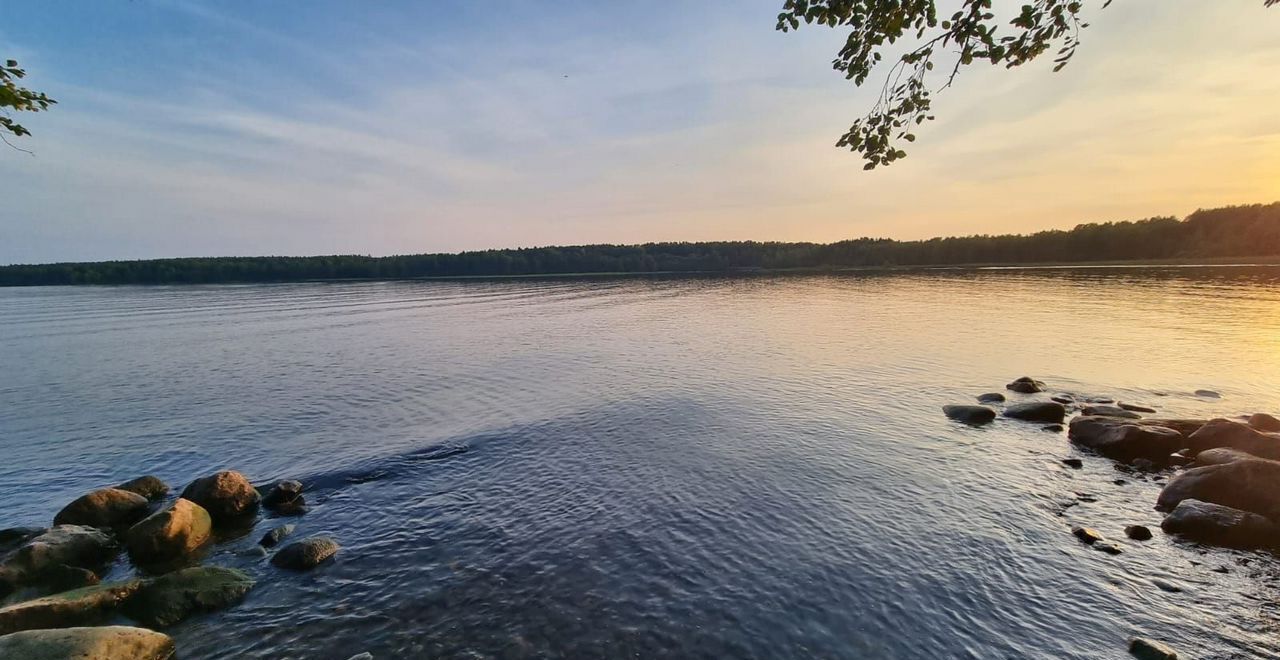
(1136, 408)
(174, 597)
(99, 643)
(1052, 428)
(1074, 463)
(1208, 394)
(1109, 548)
(1228, 433)
(973, 415)
(1215, 524)
(305, 554)
(170, 534)
(1026, 385)
(1149, 649)
(1121, 440)
(1087, 535)
(1110, 411)
(1138, 532)
(991, 397)
(226, 495)
(275, 536)
(69, 608)
(106, 508)
(1264, 422)
(1037, 411)
(285, 498)
(149, 487)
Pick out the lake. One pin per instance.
(695, 467)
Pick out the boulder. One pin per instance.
(106, 508)
(1215, 524)
(1064, 399)
(13, 537)
(65, 578)
(70, 608)
(305, 554)
(1264, 422)
(991, 397)
(170, 534)
(171, 598)
(62, 546)
(149, 487)
(227, 496)
(273, 538)
(100, 643)
(1228, 433)
(1121, 440)
(1138, 532)
(973, 415)
(1246, 484)
(1131, 407)
(1026, 385)
(286, 498)
(1037, 411)
(1110, 411)
(1220, 455)
(1149, 649)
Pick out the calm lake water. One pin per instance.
(751, 467)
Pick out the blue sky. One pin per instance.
(190, 127)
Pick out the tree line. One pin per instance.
(1234, 231)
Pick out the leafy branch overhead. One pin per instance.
(970, 35)
(18, 99)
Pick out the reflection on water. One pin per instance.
(638, 467)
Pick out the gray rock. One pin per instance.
(1064, 399)
(1037, 411)
(149, 487)
(1220, 455)
(1109, 548)
(1149, 649)
(97, 643)
(1123, 440)
(1228, 433)
(285, 498)
(105, 508)
(226, 495)
(13, 537)
(70, 608)
(1215, 524)
(305, 554)
(275, 536)
(1026, 385)
(991, 397)
(1264, 422)
(1248, 485)
(62, 546)
(1138, 532)
(973, 415)
(174, 597)
(1110, 411)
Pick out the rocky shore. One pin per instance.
(53, 603)
(1219, 475)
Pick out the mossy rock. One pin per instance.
(171, 534)
(77, 607)
(169, 599)
(99, 643)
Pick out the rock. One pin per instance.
(67, 578)
(1248, 485)
(1026, 385)
(1178, 458)
(1138, 532)
(69, 608)
(1215, 524)
(170, 534)
(1088, 535)
(1064, 399)
(1109, 548)
(1101, 399)
(1228, 433)
(305, 554)
(1149, 649)
(62, 546)
(227, 496)
(149, 487)
(1052, 428)
(286, 496)
(100, 643)
(13, 537)
(1145, 465)
(1121, 440)
(1037, 411)
(991, 397)
(1166, 585)
(275, 536)
(105, 508)
(1264, 422)
(973, 415)
(1208, 394)
(1110, 411)
(1073, 463)
(174, 597)
(1136, 408)
(1220, 455)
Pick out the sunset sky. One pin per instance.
(189, 127)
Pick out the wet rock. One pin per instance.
(1087, 535)
(1149, 649)
(174, 597)
(305, 554)
(1037, 411)
(991, 397)
(1208, 394)
(1110, 411)
(13, 537)
(1138, 532)
(1228, 433)
(1109, 548)
(67, 578)
(167, 535)
(1145, 465)
(1026, 385)
(98, 643)
(1167, 586)
(1131, 407)
(1220, 455)
(1248, 485)
(1264, 422)
(1101, 399)
(69, 608)
(286, 497)
(275, 536)
(1074, 463)
(1178, 458)
(1121, 440)
(1052, 428)
(1064, 399)
(149, 487)
(973, 415)
(62, 546)
(1215, 524)
(227, 496)
(105, 508)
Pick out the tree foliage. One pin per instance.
(1240, 231)
(973, 34)
(14, 98)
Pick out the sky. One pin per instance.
(201, 128)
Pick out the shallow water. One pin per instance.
(643, 467)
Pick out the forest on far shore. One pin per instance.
(1233, 231)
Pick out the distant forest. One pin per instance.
(1235, 231)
